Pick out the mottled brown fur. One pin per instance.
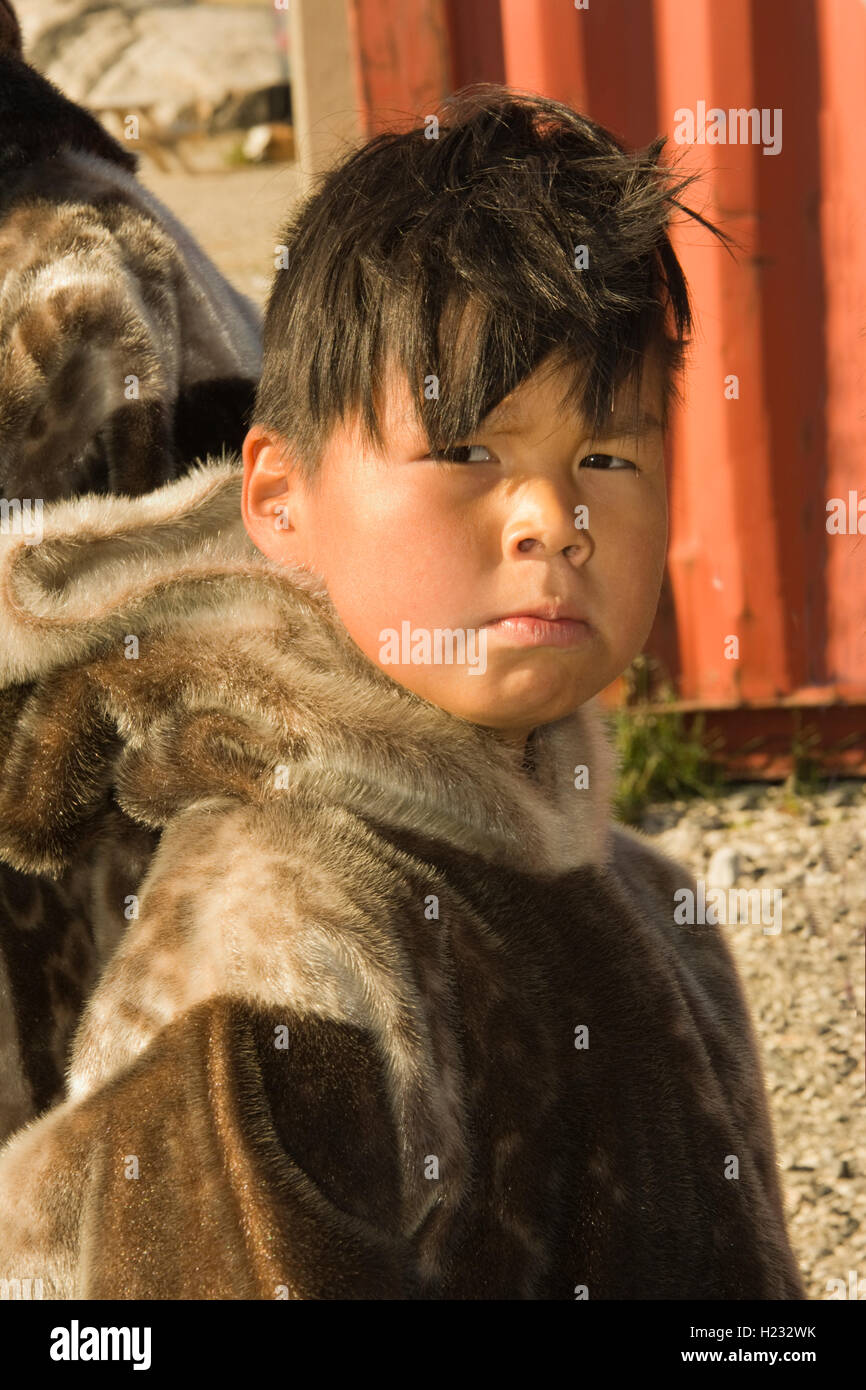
(100, 284)
(426, 922)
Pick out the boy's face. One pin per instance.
(542, 513)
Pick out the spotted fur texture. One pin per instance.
(99, 284)
(124, 353)
(330, 1053)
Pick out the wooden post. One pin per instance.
(326, 108)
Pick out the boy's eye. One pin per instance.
(459, 454)
(464, 453)
(606, 461)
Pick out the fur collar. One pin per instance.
(37, 121)
(246, 683)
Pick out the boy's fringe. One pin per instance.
(455, 260)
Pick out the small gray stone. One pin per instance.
(724, 868)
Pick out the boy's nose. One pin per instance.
(558, 536)
(577, 551)
(544, 520)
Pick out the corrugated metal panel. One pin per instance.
(404, 60)
(775, 424)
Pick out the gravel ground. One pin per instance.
(805, 987)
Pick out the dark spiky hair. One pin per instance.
(454, 260)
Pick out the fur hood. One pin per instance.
(37, 121)
(386, 1014)
(158, 627)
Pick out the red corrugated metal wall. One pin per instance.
(775, 422)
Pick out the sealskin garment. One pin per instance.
(391, 1014)
(124, 356)
(124, 353)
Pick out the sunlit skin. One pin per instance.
(446, 544)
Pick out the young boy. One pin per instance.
(396, 1010)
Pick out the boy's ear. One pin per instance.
(270, 495)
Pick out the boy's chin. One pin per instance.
(513, 716)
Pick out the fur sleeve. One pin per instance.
(245, 1154)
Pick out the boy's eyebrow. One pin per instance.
(501, 416)
(621, 421)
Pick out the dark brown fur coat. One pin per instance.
(328, 1046)
(124, 353)
(99, 285)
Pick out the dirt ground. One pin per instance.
(235, 216)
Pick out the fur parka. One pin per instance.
(124, 354)
(386, 1012)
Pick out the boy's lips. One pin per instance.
(548, 625)
(551, 611)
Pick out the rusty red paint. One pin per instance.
(750, 555)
